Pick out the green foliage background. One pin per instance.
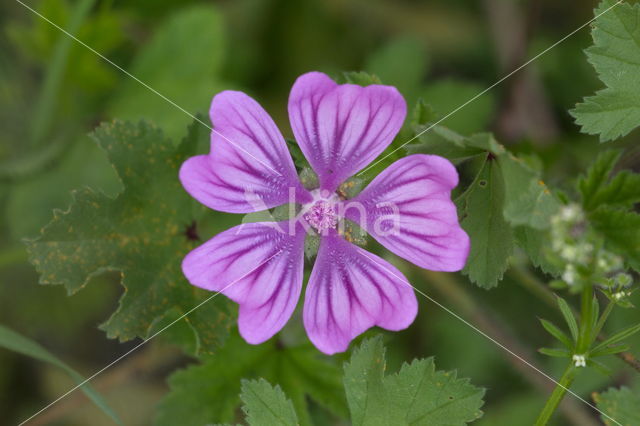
(126, 220)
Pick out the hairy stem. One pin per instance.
(584, 341)
(455, 294)
(523, 276)
(556, 396)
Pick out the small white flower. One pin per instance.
(621, 295)
(580, 360)
(569, 253)
(569, 275)
(570, 213)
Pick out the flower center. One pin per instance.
(322, 215)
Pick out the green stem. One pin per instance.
(585, 333)
(556, 396)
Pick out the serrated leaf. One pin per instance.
(528, 200)
(614, 111)
(568, 317)
(596, 189)
(491, 235)
(557, 333)
(185, 76)
(266, 405)
(620, 404)
(621, 230)
(208, 392)
(140, 233)
(416, 395)
(13, 341)
(535, 243)
(422, 114)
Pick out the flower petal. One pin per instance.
(351, 290)
(342, 128)
(249, 168)
(408, 209)
(257, 265)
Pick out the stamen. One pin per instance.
(322, 216)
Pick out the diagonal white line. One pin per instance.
(138, 346)
(148, 87)
(490, 87)
(482, 333)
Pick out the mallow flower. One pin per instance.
(340, 129)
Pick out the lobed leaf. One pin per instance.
(491, 235)
(266, 405)
(528, 200)
(208, 392)
(418, 394)
(620, 404)
(596, 189)
(614, 111)
(621, 230)
(141, 233)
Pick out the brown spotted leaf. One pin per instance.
(142, 233)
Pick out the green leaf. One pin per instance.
(623, 190)
(610, 350)
(266, 405)
(208, 392)
(619, 336)
(491, 235)
(558, 353)
(407, 78)
(620, 404)
(535, 243)
(416, 395)
(568, 317)
(439, 140)
(141, 234)
(557, 333)
(186, 76)
(621, 230)
(422, 114)
(447, 95)
(361, 78)
(528, 200)
(614, 111)
(13, 341)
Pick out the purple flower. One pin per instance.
(340, 129)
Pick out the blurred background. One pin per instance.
(54, 91)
